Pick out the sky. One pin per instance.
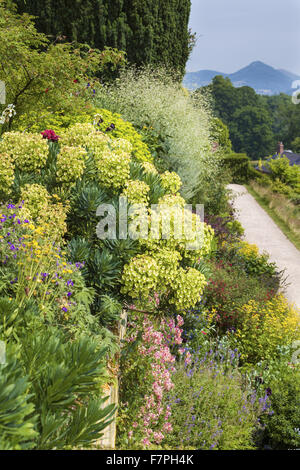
(233, 33)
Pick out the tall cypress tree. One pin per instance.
(150, 31)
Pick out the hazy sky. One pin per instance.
(233, 33)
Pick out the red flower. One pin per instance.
(50, 135)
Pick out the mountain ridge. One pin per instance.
(265, 80)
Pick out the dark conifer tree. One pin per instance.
(149, 31)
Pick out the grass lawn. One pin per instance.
(295, 239)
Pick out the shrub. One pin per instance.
(140, 277)
(264, 328)
(45, 309)
(211, 408)
(227, 231)
(69, 413)
(174, 125)
(118, 128)
(288, 174)
(188, 288)
(239, 165)
(281, 428)
(171, 182)
(113, 169)
(220, 134)
(256, 264)
(81, 122)
(296, 144)
(161, 275)
(82, 134)
(29, 152)
(234, 254)
(38, 206)
(228, 289)
(36, 197)
(112, 154)
(87, 167)
(6, 173)
(136, 192)
(49, 77)
(70, 164)
(281, 188)
(18, 417)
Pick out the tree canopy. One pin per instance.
(247, 116)
(48, 75)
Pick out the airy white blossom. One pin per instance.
(7, 113)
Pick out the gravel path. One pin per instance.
(261, 230)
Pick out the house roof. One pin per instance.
(294, 159)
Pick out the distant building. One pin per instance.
(294, 158)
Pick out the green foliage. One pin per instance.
(110, 310)
(6, 174)
(296, 145)
(50, 386)
(294, 123)
(103, 270)
(287, 174)
(264, 328)
(211, 409)
(256, 264)
(229, 288)
(251, 131)
(246, 115)
(147, 275)
(281, 428)
(175, 126)
(28, 152)
(281, 109)
(79, 249)
(73, 373)
(17, 412)
(87, 168)
(220, 134)
(10, 316)
(54, 310)
(57, 403)
(148, 173)
(84, 201)
(154, 32)
(239, 166)
(50, 77)
(123, 250)
(214, 196)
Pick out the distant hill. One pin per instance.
(265, 79)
